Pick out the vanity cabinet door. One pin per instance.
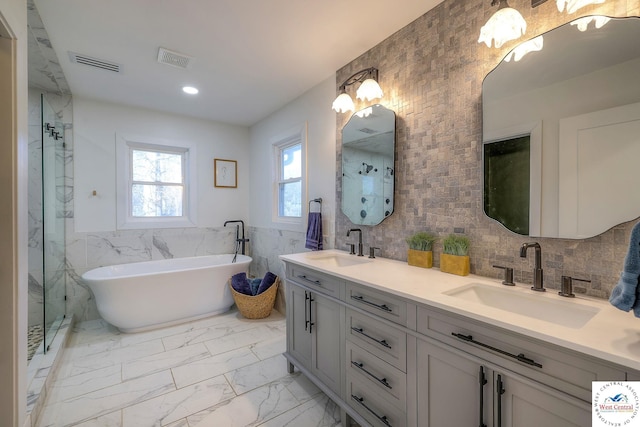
(453, 389)
(519, 402)
(298, 336)
(327, 346)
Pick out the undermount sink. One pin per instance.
(338, 260)
(536, 306)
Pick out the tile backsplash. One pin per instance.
(431, 72)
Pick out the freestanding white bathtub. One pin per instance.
(152, 294)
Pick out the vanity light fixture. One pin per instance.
(573, 5)
(505, 25)
(190, 90)
(583, 23)
(368, 90)
(533, 45)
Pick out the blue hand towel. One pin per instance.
(240, 283)
(255, 284)
(268, 280)
(314, 232)
(625, 294)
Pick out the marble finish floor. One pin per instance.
(222, 371)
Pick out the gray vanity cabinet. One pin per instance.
(314, 339)
(388, 360)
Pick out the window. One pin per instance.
(157, 183)
(290, 182)
(289, 189)
(155, 188)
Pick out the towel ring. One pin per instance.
(318, 200)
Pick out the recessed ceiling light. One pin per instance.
(190, 90)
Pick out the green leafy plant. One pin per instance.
(421, 241)
(455, 244)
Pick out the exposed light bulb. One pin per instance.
(506, 24)
(190, 90)
(369, 90)
(343, 103)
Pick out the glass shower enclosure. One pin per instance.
(53, 222)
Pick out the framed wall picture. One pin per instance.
(225, 173)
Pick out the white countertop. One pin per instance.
(612, 335)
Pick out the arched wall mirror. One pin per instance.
(368, 147)
(561, 133)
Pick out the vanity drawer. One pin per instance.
(383, 341)
(565, 370)
(386, 380)
(373, 406)
(378, 303)
(320, 282)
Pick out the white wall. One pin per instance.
(95, 126)
(314, 108)
(269, 239)
(14, 211)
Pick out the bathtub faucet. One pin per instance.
(239, 238)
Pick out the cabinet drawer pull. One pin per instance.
(315, 282)
(360, 400)
(519, 357)
(382, 307)
(383, 343)
(382, 381)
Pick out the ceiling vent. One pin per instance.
(175, 59)
(94, 62)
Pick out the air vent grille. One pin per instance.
(94, 62)
(172, 58)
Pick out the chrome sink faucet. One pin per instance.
(359, 239)
(537, 269)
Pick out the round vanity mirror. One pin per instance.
(368, 147)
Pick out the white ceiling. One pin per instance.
(251, 57)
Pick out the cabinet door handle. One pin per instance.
(360, 331)
(519, 357)
(360, 400)
(306, 311)
(314, 282)
(310, 311)
(499, 392)
(382, 381)
(382, 307)
(483, 382)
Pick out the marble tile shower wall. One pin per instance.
(432, 72)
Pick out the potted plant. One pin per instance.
(420, 251)
(455, 255)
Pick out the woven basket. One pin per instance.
(258, 306)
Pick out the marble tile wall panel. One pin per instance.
(432, 72)
(267, 244)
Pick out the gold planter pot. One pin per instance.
(454, 264)
(418, 258)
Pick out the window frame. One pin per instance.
(290, 138)
(124, 153)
